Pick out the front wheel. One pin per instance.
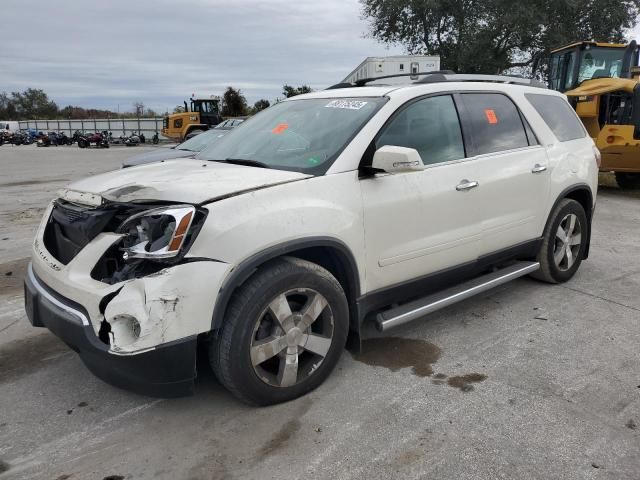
(628, 181)
(283, 332)
(564, 242)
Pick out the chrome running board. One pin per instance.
(419, 308)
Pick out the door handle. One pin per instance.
(537, 168)
(466, 185)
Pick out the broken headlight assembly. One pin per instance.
(159, 233)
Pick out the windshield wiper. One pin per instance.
(245, 161)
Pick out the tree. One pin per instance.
(260, 105)
(491, 36)
(288, 91)
(233, 103)
(138, 109)
(32, 103)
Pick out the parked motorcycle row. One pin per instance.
(83, 139)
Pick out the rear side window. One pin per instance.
(559, 115)
(495, 122)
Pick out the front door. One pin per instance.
(420, 222)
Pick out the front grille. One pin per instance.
(71, 227)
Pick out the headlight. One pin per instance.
(158, 233)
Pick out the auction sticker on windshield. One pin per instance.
(348, 104)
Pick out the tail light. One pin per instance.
(598, 156)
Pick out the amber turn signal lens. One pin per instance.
(611, 139)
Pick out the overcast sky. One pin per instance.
(114, 52)
(110, 53)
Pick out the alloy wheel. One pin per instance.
(291, 337)
(567, 242)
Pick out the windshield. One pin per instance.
(201, 141)
(600, 62)
(304, 135)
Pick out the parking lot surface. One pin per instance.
(526, 381)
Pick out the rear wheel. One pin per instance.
(628, 181)
(564, 243)
(283, 333)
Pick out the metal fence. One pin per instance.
(117, 126)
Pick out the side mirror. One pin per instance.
(393, 159)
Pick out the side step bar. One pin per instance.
(419, 308)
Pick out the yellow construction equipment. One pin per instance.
(601, 81)
(199, 115)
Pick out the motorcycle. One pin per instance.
(132, 140)
(99, 139)
(44, 140)
(155, 139)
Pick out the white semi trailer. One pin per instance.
(374, 67)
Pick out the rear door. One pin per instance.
(513, 176)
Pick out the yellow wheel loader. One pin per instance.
(602, 83)
(199, 115)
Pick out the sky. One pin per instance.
(109, 54)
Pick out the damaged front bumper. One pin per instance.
(139, 333)
(167, 370)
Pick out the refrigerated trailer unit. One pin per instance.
(373, 67)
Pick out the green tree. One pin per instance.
(288, 91)
(233, 103)
(260, 105)
(491, 36)
(30, 104)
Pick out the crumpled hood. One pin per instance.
(188, 181)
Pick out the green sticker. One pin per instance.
(313, 160)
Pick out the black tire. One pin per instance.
(628, 181)
(551, 270)
(82, 143)
(248, 313)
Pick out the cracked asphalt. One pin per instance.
(528, 381)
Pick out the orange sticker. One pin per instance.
(281, 127)
(491, 116)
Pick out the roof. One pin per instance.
(424, 88)
(587, 42)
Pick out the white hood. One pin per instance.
(188, 181)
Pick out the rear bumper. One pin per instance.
(168, 370)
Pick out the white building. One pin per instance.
(373, 67)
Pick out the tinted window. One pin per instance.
(495, 121)
(559, 115)
(431, 126)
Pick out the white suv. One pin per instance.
(273, 246)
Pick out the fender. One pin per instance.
(250, 265)
(566, 193)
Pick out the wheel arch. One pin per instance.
(194, 126)
(330, 253)
(582, 194)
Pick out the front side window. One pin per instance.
(495, 121)
(431, 126)
(304, 135)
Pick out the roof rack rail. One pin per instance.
(466, 77)
(446, 76)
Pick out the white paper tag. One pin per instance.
(348, 104)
